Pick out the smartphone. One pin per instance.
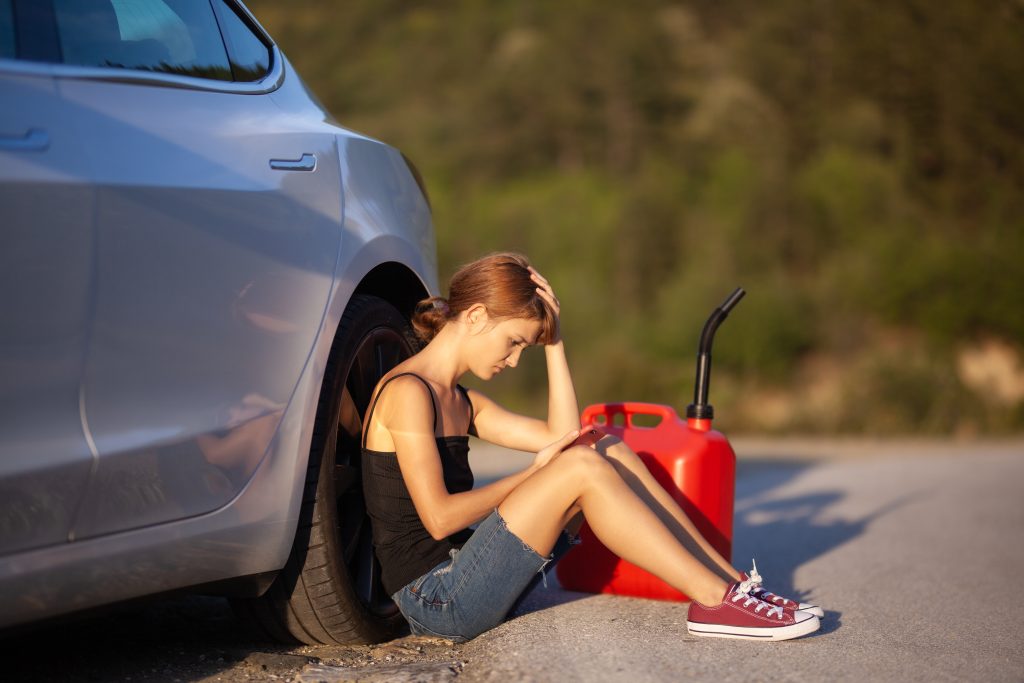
(588, 437)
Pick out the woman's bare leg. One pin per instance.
(581, 479)
(643, 483)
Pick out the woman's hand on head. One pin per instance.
(547, 454)
(548, 294)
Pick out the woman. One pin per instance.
(456, 583)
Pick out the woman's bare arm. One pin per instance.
(505, 428)
(500, 426)
(406, 415)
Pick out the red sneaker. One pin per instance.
(758, 590)
(741, 615)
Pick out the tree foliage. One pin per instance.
(856, 165)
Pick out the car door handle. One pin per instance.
(34, 140)
(306, 163)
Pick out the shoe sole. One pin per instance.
(801, 628)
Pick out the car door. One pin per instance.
(46, 251)
(218, 230)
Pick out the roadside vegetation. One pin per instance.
(857, 166)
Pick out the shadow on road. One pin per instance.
(781, 532)
(784, 532)
(175, 638)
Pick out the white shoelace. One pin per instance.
(757, 585)
(743, 592)
(753, 576)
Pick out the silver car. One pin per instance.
(202, 277)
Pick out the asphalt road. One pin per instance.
(914, 549)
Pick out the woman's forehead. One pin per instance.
(526, 328)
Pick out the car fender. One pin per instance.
(386, 221)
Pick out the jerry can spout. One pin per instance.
(700, 410)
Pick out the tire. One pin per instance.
(329, 591)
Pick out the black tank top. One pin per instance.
(402, 544)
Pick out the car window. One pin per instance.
(249, 55)
(6, 30)
(171, 36)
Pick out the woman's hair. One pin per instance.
(502, 283)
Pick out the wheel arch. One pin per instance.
(396, 283)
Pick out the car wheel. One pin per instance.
(330, 590)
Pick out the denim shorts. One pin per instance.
(475, 588)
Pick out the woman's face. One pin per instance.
(499, 345)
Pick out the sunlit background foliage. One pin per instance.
(856, 165)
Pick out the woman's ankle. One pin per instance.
(712, 596)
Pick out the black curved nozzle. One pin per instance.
(700, 409)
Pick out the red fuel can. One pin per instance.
(693, 462)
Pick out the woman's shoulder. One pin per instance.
(400, 402)
(404, 386)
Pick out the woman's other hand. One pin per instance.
(546, 454)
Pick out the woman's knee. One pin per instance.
(585, 462)
(616, 450)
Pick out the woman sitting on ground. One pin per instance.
(456, 583)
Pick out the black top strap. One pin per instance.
(472, 413)
(373, 405)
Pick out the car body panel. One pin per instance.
(45, 305)
(213, 275)
(380, 194)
